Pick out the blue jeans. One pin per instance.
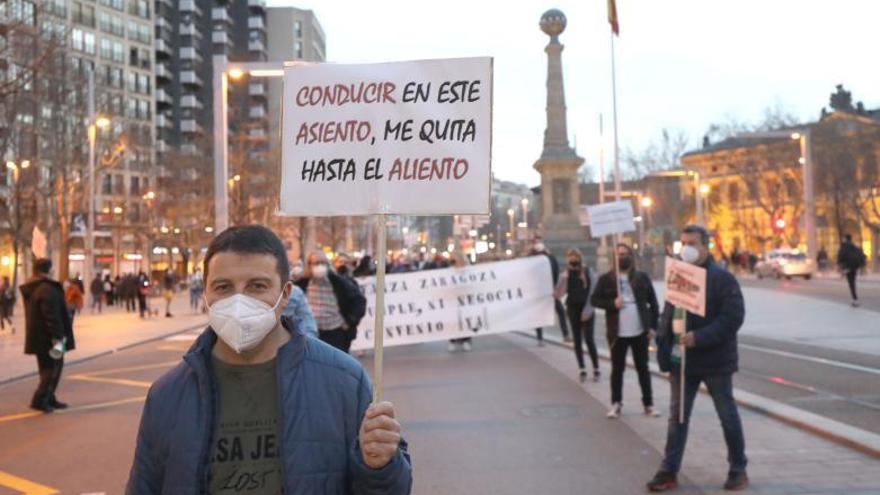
(721, 389)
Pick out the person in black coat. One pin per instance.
(336, 301)
(711, 358)
(576, 284)
(47, 322)
(631, 313)
(850, 259)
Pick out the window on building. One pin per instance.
(106, 184)
(118, 52)
(145, 58)
(76, 39)
(131, 108)
(131, 81)
(119, 185)
(104, 21)
(89, 43)
(106, 49)
(298, 29)
(733, 193)
(144, 110)
(135, 185)
(298, 49)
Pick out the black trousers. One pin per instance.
(639, 346)
(50, 375)
(851, 280)
(142, 304)
(339, 338)
(583, 332)
(563, 324)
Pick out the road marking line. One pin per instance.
(114, 381)
(187, 337)
(101, 405)
(172, 348)
(144, 367)
(24, 486)
(13, 417)
(812, 359)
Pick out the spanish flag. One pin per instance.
(612, 17)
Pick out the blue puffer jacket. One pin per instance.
(323, 395)
(715, 352)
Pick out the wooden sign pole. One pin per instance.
(379, 324)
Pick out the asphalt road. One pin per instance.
(497, 420)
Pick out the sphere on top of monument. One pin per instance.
(553, 22)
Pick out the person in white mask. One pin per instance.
(336, 301)
(236, 405)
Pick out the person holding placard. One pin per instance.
(631, 312)
(576, 283)
(257, 407)
(711, 358)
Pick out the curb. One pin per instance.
(840, 433)
(84, 359)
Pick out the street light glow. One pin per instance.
(236, 178)
(704, 189)
(209, 229)
(235, 73)
(117, 210)
(25, 164)
(267, 73)
(11, 165)
(795, 135)
(102, 122)
(647, 202)
(150, 195)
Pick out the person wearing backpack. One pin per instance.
(631, 312)
(850, 259)
(576, 282)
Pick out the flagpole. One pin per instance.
(601, 168)
(617, 188)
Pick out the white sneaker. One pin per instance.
(614, 412)
(652, 412)
(466, 346)
(451, 347)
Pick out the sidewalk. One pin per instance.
(782, 459)
(98, 334)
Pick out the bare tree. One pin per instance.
(663, 154)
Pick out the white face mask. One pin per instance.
(319, 271)
(242, 321)
(690, 254)
(297, 271)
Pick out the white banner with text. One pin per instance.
(453, 303)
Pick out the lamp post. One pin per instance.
(704, 190)
(645, 203)
(93, 123)
(525, 207)
(510, 214)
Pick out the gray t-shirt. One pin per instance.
(630, 325)
(245, 451)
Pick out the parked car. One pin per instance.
(786, 263)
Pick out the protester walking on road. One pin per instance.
(850, 259)
(48, 325)
(143, 290)
(196, 285)
(73, 298)
(577, 283)
(711, 358)
(96, 291)
(540, 250)
(631, 313)
(7, 303)
(256, 404)
(168, 283)
(336, 301)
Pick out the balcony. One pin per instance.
(190, 126)
(220, 14)
(189, 30)
(191, 101)
(161, 22)
(162, 47)
(257, 112)
(257, 4)
(162, 97)
(163, 122)
(256, 22)
(256, 46)
(161, 146)
(190, 6)
(220, 38)
(190, 53)
(190, 77)
(162, 72)
(257, 89)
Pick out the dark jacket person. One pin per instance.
(47, 322)
(257, 407)
(631, 313)
(336, 301)
(711, 359)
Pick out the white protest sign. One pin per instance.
(686, 286)
(39, 243)
(452, 303)
(392, 138)
(611, 218)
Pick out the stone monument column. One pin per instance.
(559, 163)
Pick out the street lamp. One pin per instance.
(93, 122)
(645, 202)
(525, 207)
(510, 214)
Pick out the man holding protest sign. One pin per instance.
(631, 312)
(711, 358)
(256, 404)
